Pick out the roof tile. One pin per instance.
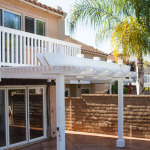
(84, 47)
(44, 6)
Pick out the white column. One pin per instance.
(110, 88)
(60, 112)
(120, 142)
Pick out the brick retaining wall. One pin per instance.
(98, 114)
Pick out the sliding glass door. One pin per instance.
(2, 119)
(36, 119)
(22, 116)
(17, 115)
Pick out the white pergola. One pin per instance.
(60, 67)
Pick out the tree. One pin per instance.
(132, 38)
(106, 15)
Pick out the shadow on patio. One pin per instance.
(89, 141)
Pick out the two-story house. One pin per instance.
(27, 27)
(35, 61)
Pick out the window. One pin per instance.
(29, 24)
(33, 25)
(85, 91)
(40, 27)
(12, 20)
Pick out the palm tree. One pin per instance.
(106, 15)
(132, 38)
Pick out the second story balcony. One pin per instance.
(19, 48)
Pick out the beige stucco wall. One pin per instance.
(90, 56)
(54, 24)
(75, 90)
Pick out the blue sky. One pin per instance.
(83, 33)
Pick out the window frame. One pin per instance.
(35, 19)
(85, 89)
(13, 12)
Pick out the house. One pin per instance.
(132, 62)
(35, 62)
(27, 27)
(78, 87)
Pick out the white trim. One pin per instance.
(44, 120)
(120, 142)
(60, 111)
(35, 20)
(26, 88)
(4, 147)
(7, 117)
(22, 142)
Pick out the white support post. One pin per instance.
(120, 142)
(110, 88)
(60, 112)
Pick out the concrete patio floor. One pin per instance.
(89, 141)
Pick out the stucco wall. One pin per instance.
(75, 89)
(98, 114)
(91, 55)
(54, 24)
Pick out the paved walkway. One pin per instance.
(86, 141)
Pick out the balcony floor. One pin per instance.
(85, 141)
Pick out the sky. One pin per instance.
(83, 33)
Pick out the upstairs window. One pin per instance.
(29, 24)
(10, 20)
(33, 25)
(40, 27)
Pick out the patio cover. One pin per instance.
(60, 67)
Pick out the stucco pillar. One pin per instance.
(120, 142)
(60, 111)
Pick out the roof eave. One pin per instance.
(49, 11)
(95, 53)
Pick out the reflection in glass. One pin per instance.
(29, 24)
(2, 119)
(12, 20)
(36, 112)
(17, 115)
(40, 27)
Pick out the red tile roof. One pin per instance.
(35, 2)
(85, 48)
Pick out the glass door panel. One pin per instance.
(36, 113)
(2, 119)
(17, 115)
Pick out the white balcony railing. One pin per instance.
(18, 48)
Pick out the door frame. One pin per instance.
(26, 141)
(44, 115)
(26, 87)
(4, 147)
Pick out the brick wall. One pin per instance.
(98, 114)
